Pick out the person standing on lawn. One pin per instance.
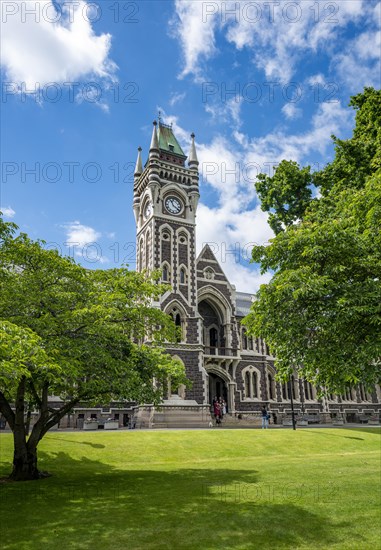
(265, 418)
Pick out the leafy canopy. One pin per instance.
(77, 331)
(321, 312)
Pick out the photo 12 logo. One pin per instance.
(66, 12)
(252, 92)
(71, 92)
(71, 172)
(256, 12)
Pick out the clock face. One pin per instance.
(148, 210)
(173, 205)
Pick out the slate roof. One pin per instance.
(243, 303)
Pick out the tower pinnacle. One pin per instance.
(154, 141)
(193, 160)
(139, 165)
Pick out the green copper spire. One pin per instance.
(168, 142)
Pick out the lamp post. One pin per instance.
(302, 386)
(291, 381)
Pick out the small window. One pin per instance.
(171, 147)
(165, 273)
(182, 276)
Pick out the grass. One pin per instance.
(202, 489)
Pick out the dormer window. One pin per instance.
(171, 148)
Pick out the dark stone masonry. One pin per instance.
(219, 357)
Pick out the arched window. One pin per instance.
(348, 394)
(255, 384)
(165, 273)
(363, 394)
(147, 250)
(213, 337)
(141, 254)
(177, 318)
(251, 383)
(244, 339)
(247, 385)
(286, 386)
(183, 276)
(307, 390)
(284, 390)
(270, 381)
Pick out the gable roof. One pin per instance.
(207, 255)
(167, 140)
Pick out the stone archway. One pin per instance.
(218, 388)
(220, 385)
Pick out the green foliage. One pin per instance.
(321, 312)
(357, 158)
(285, 195)
(77, 334)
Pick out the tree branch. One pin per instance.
(34, 393)
(6, 410)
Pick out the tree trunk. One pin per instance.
(25, 464)
(25, 453)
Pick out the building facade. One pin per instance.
(219, 357)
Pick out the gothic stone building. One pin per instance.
(219, 357)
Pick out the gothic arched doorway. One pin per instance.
(218, 388)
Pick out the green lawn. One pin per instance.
(204, 489)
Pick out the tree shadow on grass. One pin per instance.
(335, 435)
(78, 441)
(373, 431)
(91, 505)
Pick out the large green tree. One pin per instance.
(73, 333)
(321, 311)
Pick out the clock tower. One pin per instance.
(166, 194)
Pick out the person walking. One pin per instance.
(217, 412)
(265, 418)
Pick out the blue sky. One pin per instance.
(256, 81)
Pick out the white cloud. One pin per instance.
(361, 61)
(232, 236)
(80, 235)
(177, 98)
(316, 79)
(278, 34)
(7, 211)
(291, 111)
(330, 118)
(84, 240)
(195, 32)
(229, 167)
(38, 53)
